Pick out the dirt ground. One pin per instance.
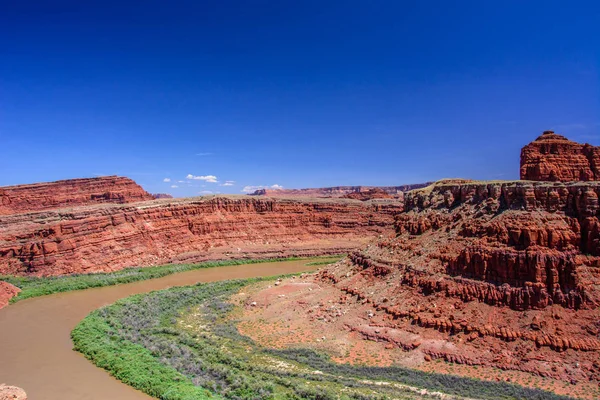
(304, 312)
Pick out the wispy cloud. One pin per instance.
(205, 178)
(228, 183)
(174, 186)
(167, 180)
(204, 154)
(252, 189)
(205, 192)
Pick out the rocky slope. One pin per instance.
(338, 191)
(552, 157)
(69, 193)
(7, 292)
(511, 266)
(108, 237)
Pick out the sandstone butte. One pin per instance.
(69, 193)
(552, 157)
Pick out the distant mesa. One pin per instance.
(361, 192)
(552, 157)
(369, 194)
(70, 193)
(162, 196)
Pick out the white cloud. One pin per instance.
(180, 181)
(167, 180)
(174, 186)
(228, 183)
(252, 189)
(206, 178)
(205, 192)
(203, 154)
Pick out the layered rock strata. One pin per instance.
(510, 266)
(109, 237)
(552, 157)
(69, 193)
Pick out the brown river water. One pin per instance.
(36, 352)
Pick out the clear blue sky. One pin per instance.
(293, 93)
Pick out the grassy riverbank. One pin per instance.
(41, 286)
(182, 343)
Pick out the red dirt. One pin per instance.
(69, 193)
(553, 157)
(7, 292)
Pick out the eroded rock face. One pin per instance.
(12, 393)
(110, 237)
(7, 292)
(552, 157)
(69, 193)
(513, 266)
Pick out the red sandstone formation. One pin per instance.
(337, 191)
(69, 193)
(553, 157)
(513, 267)
(12, 393)
(109, 237)
(7, 292)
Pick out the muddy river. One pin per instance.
(36, 349)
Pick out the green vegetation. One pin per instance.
(182, 343)
(41, 286)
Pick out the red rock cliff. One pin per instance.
(69, 193)
(110, 237)
(482, 269)
(553, 157)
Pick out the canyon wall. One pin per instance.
(552, 157)
(69, 193)
(108, 237)
(513, 267)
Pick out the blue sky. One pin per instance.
(290, 93)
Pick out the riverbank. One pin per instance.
(183, 343)
(40, 286)
(37, 351)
